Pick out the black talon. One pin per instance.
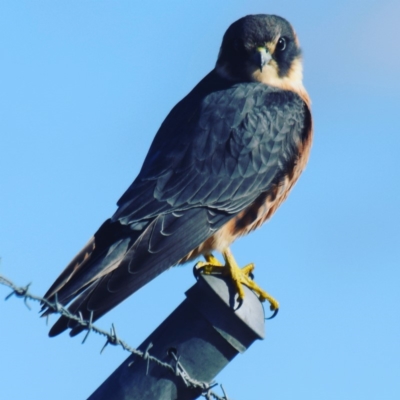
(197, 271)
(239, 303)
(274, 314)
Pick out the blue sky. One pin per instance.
(86, 84)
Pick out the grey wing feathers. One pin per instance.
(152, 253)
(214, 154)
(237, 139)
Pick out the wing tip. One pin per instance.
(59, 327)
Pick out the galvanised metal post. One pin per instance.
(204, 333)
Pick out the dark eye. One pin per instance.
(281, 45)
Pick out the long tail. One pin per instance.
(118, 261)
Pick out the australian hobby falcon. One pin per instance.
(222, 162)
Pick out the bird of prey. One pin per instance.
(222, 162)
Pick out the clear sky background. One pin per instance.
(84, 86)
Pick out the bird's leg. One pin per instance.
(210, 266)
(240, 276)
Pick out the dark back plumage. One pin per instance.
(218, 150)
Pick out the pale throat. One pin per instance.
(269, 76)
(292, 81)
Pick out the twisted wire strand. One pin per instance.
(112, 338)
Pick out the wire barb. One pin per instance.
(19, 292)
(88, 325)
(112, 338)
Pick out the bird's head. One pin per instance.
(261, 48)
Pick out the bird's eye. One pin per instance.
(281, 45)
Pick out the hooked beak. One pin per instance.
(261, 57)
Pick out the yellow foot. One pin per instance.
(240, 276)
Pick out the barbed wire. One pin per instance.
(112, 338)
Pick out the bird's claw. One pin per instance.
(274, 314)
(239, 276)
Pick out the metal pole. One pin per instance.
(204, 333)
